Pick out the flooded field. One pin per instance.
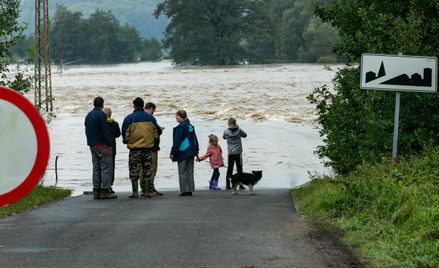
(269, 102)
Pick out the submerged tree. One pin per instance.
(211, 32)
(358, 124)
(67, 35)
(97, 38)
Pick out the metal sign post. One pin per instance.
(398, 73)
(395, 129)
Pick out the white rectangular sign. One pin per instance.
(398, 73)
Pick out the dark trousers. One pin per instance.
(233, 158)
(215, 174)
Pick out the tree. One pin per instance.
(98, 38)
(295, 21)
(103, 30)
(10, 34)
(130, 43)
(211, 32)
(318, 40)
(151, 49)
(22, 48)
(67, 35)
(357, 125)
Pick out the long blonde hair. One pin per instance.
(213, 140)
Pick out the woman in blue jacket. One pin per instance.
(183, 151)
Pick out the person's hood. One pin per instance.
(233, 128)
(186, 125)
(110, 120)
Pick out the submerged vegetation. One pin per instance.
(390, 213)
(39, 196)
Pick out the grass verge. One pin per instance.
(389, 213)
(40, 195)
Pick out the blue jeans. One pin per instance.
(102, 159)
(215, 175)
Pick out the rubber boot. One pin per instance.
(210, 184)
(96, 192)
(147, 185)
(106, 194)
(228, 184)
(215, 185)
(135, 185)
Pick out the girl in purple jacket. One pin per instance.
(214, 153)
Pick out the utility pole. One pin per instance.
(43, 72)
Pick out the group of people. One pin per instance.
(141, 133)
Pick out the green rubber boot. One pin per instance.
(147, 185)
(135, 185)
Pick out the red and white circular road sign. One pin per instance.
(24, 143)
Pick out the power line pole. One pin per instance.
(43, 72)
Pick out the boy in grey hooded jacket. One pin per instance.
(233, 135)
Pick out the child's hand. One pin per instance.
(198, 159)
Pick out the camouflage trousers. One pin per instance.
(140, 158)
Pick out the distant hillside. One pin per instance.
(137, 13)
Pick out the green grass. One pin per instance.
(389, 213)
(40, 195)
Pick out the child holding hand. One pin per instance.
(214, 153)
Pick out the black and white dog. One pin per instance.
(249, 179)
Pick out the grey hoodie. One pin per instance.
(233, 136)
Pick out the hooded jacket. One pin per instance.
(185, 141)
(114, 133)
(139, 130)
(215, 156)
(233, 136)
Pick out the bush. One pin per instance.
(389, 212)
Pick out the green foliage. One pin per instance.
(358, 124)
(306, 38)
(211, 32)
(318, 40)
(137, 13)
(152, 49)
(39, 196)
(390, 212)
(10, 34)
(23, 50)
(67, 35)
(98, 38)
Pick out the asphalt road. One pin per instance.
(209, 229)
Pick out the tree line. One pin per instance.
(201, 32)
(98, 38)
(246, 31)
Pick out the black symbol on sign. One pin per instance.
(403, 79)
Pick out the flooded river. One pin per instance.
(268, 101)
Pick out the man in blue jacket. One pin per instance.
(99, 140)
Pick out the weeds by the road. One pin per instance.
(40, 195)
(390, 213)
